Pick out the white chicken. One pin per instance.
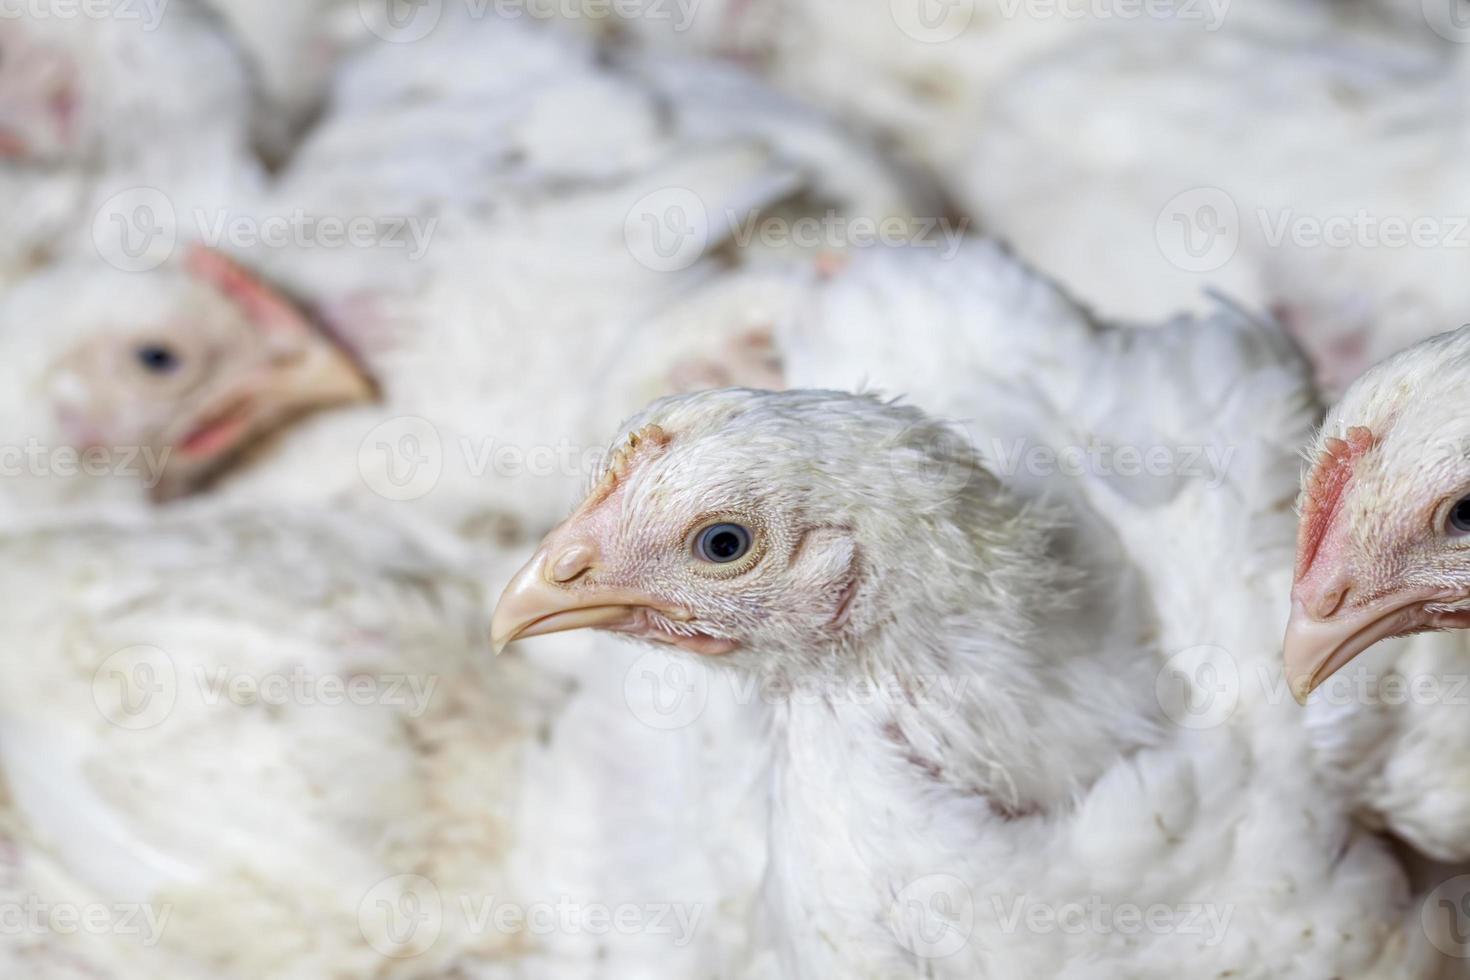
(536, 245)
(117, 120)
(914, 834)
(1384, 520)
(130, 387)
(838, 545)
(903, 322)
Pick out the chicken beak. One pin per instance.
(291, 383)
(320, 375)
(536, 604)
(1316, 648)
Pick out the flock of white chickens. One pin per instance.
(925, 620)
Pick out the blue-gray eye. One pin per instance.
(722, 543)
(1460, 517)
(157, 358)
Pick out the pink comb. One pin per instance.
(261, 304)
(1325, 486)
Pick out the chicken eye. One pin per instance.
(721, 544)
(1459, 522)
(157, 358)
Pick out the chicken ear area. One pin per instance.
(826, 563)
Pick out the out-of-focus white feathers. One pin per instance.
(134, 159)
(253, 721)
(1147, 197)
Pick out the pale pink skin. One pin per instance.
(40, 92)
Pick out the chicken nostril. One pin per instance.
(1330, 601)
(573, 563)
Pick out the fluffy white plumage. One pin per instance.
(1226, 402)
(1226, 399)
(547, 176)
(1067, 773)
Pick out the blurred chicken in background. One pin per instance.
(115, 116)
